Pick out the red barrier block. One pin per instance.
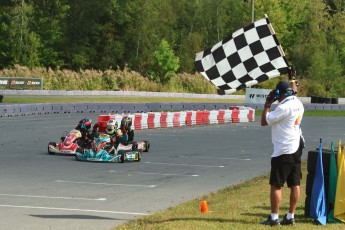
(251, 115)
(234, 108)
(199, 117)
(206, 117)
(102, 122)
(220, 116)
(176, 119)
(234, 116)
(189, 118)
(137, 121)
(151, 120)
(163, 120)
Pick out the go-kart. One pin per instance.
(102, 151)
(134, 145)
(70, 143)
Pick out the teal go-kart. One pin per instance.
(102, 151)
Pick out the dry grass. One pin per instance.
(111, 79)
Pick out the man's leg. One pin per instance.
(276, 198)
(294, 198)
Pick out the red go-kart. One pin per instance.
(69, 145)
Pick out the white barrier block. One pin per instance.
(157, 120)
(227, 116)
(213, 117)
(144, 123)
(170, 119)
(193, 117)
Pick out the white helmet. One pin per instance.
(111, 127)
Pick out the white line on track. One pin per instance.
(108, 184)
(55, 197)
(220, 158)
(207, 166)
(72, 209)
(28, 147)
(147, 173)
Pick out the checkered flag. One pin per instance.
(250, 56)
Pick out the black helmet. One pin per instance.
(85, 124)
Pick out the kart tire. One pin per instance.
(122, 154)
(80, 150)
(139, 157)
(134, 145)
(147, 146)
(53, 144)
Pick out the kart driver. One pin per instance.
(118, 135)
(84, 126)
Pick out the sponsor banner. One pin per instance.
(256, 96)
(20, 83)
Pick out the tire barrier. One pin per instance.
(311, 168)
(323, 100)
(12, 110)
(154, 120)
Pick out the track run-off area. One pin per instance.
(40, 191)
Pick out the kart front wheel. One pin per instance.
(134, 145)
(53, 144)
(147, 146)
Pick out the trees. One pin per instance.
(104, 34)
(165, 63)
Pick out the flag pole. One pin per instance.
(273, 33)
(252, 11)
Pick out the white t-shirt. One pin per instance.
(285, 121)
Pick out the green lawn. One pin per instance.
(239, 207)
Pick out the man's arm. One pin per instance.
(263, 116)
(269, 100)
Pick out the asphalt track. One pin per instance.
(40, 191)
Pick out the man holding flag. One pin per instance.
(288, 142)
(249, 56)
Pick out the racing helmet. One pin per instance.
(111, 127)
(85, 124)
(126, 122)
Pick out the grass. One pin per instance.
(239, 207)
(104, 99)
(316, 113)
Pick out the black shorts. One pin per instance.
(286, 168)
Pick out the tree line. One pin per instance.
(159, 38)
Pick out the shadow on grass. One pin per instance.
(300, 218)
(219, 220)
(84, 217)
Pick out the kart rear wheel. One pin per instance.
(122, 154)
(147, 146)
(53, 144)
